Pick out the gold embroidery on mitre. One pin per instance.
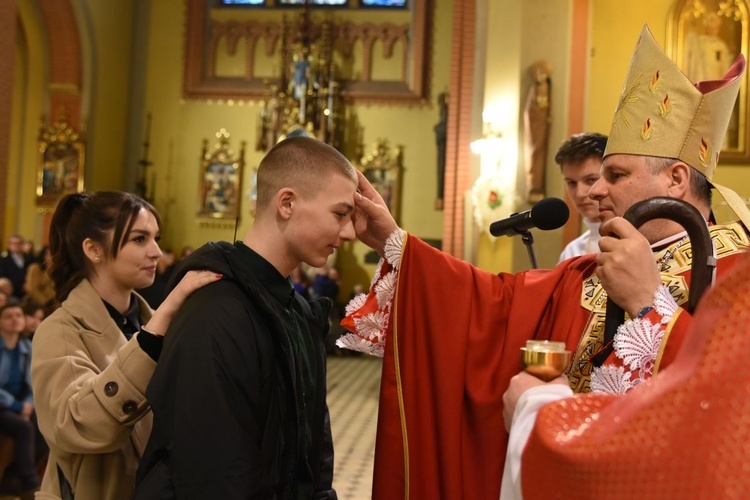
(647, 130)
(665, 106)
(705, 152)
(627, 97)
(655, 81)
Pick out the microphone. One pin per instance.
(546, 214)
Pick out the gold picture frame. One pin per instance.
(384, 169)
(60, 167)
(704, 38)
(220, 182)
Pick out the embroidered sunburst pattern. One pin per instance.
(354, 304)
(370, 329)
(393, 245)
(627, 98)
(705, 152)
(653, 85)
(637, 344)
(385, 289)
(372, 326)
(357, 343)
(647, 130)
(611, 380)
(665, 106)
(664, 304)
(378, 270)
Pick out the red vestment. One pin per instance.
(683, 434)
(452, 344)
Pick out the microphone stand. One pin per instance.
(528, 240)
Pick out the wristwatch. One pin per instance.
(644, 311)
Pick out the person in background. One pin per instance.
(29, 250)
(14, 263)
(580, 160)
(186, 251)
(326, 283)
(245, 358)
(38, 285)
(6, 287)
(94, 356)
(301, 282)
(17, 416)
(34, 314)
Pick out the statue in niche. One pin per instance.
(441, 132)
(300, 73)
(537, 121)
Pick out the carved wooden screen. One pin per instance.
(212, 34)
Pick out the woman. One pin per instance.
(95, 355)
(38, 285)
(17, 418)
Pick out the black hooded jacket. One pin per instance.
(224, 395)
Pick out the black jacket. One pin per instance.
(16, 275)
(223, 393)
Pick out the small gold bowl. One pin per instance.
(544, 359)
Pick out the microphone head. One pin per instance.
(549, 213)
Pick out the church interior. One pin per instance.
(177, 101)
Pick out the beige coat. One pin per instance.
(89, 388)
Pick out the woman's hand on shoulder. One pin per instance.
(189, 283)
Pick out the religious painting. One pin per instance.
(384, 169)
(705, 37)
(60, 165)
(220, 180)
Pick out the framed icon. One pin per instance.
(220, 183)
(61, 163)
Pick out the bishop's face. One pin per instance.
(625, 180)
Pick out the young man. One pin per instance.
(580, 160)
(450, 352)
(239, 394)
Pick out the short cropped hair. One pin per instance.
(302, 163)
(580, 147)
(699, 184)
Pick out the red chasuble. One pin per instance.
(683, 434)
(451, 346)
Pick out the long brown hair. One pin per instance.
(105, 217)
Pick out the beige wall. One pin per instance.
(106, 40)
(518, 34)
(109, 59)
(28, 83)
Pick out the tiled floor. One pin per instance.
(353, 387)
